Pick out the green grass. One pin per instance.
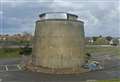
(111, 50)
(14, 52)
(114, 80)
(9, 52)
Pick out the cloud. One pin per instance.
(100, 17)
(61, 3)
(1, 12)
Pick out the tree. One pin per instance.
(101, 41)
(94, 38)
(115, 42)
(109, 38)
(26, 50)
(26, 34)
(100, 36)
(27, 37)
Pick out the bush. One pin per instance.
(25, 50)
(101, 41)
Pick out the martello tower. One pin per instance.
(58, 45)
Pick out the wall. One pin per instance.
(59, 44)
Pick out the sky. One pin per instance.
(101, 17)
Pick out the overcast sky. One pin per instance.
(101, 17)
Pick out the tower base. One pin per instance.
(55, 70)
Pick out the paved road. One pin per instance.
(112, 71)
(23, 76)
(9, 61)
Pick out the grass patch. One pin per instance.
(114, 80)
(14, 52)
(9, 52)
(111, 50)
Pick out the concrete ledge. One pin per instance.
(59, 20)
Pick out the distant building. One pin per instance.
(111, 42)
(16, 37)
(3, 38)
(119, 41)
(115, 41)
(89, 40)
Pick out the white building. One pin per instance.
(119, 41)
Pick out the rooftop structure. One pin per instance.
(58, 15)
